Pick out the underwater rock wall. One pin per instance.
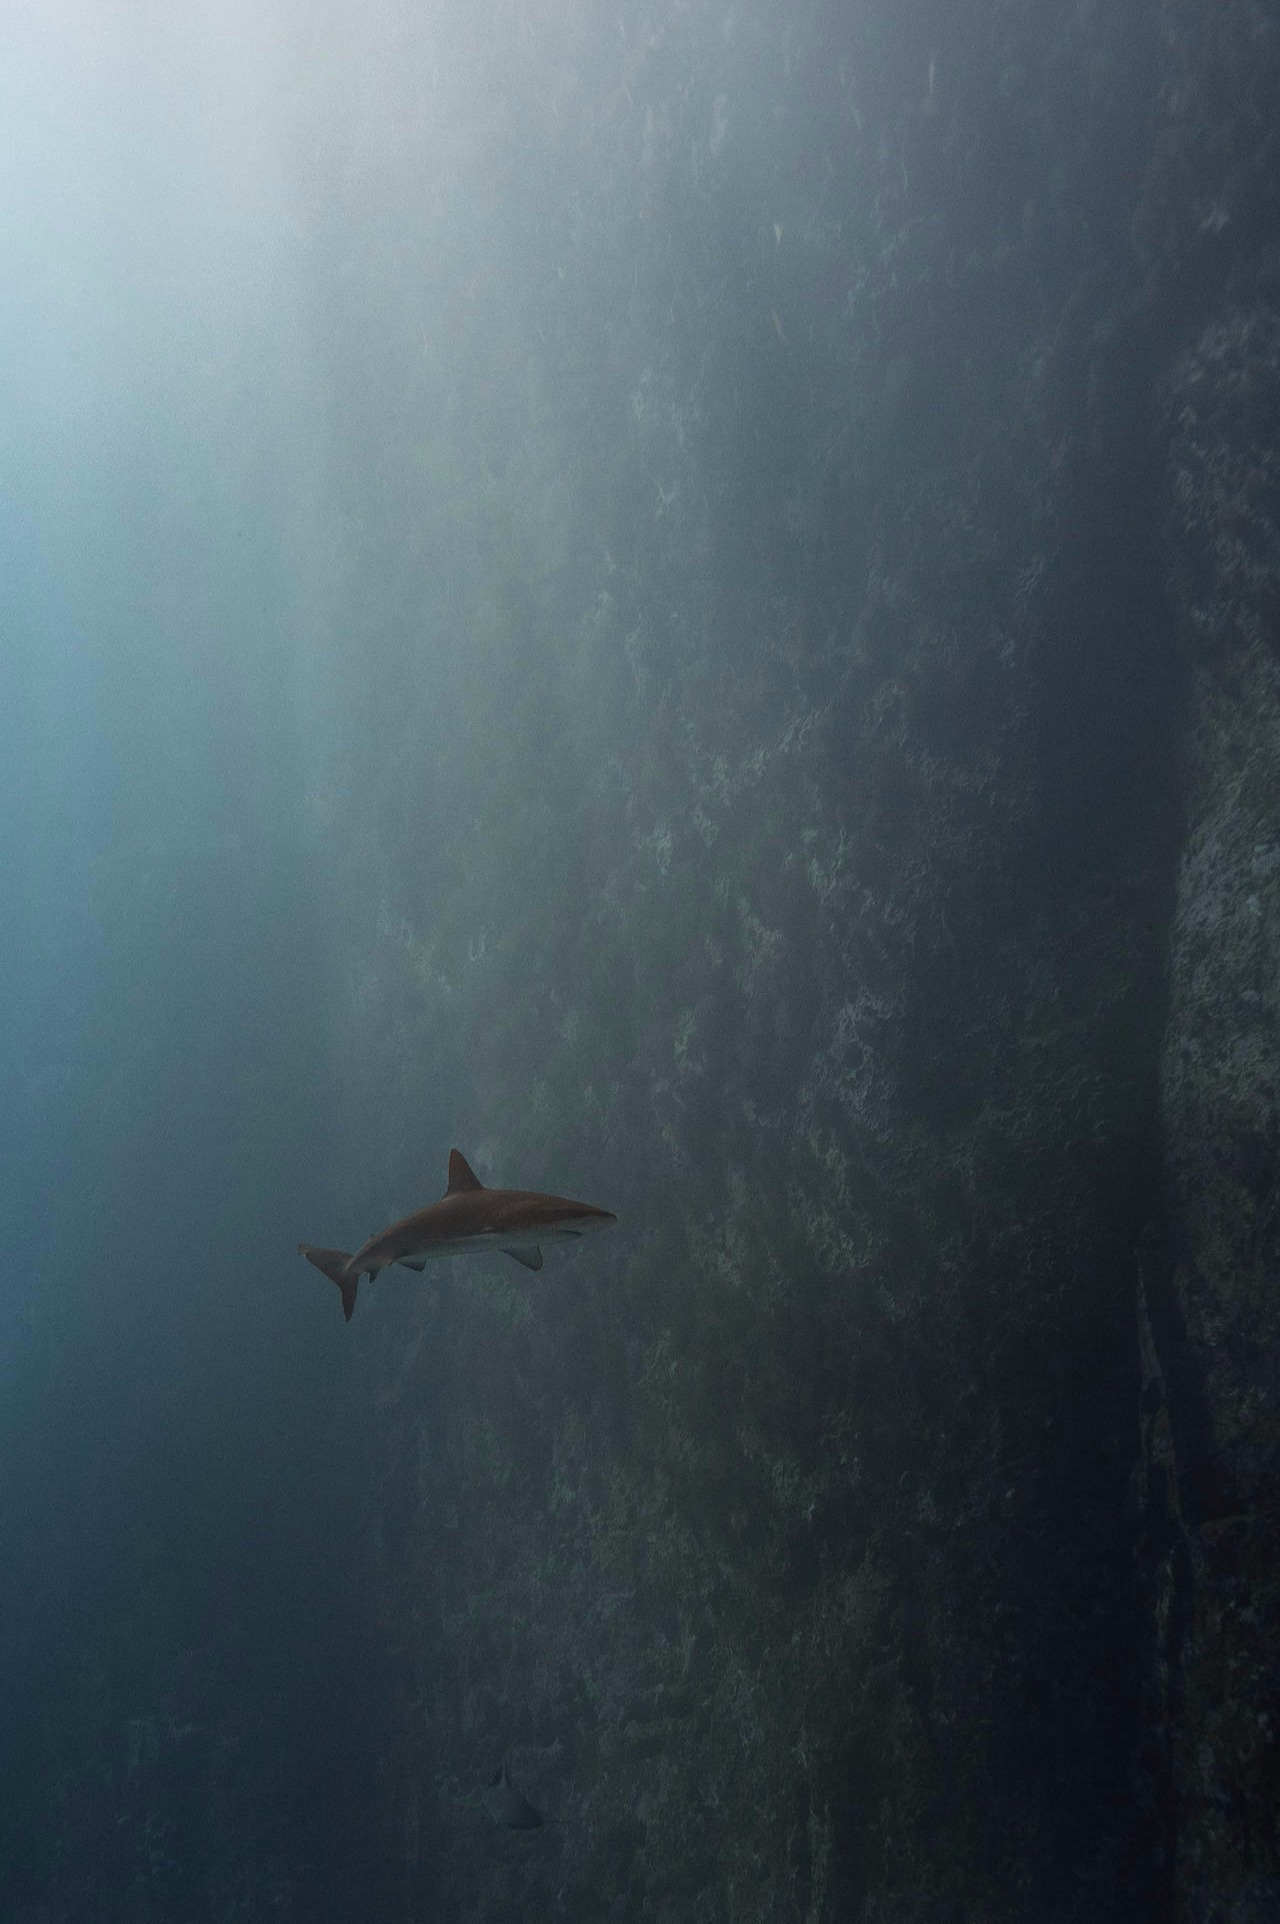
(851, 858)
(1212, 1403)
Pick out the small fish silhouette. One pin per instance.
(507, 1806)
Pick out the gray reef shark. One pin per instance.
(468, 1218)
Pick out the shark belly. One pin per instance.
(498, 1242)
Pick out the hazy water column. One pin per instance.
(54, 804)
(172, 1556)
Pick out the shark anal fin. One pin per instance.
(531, 1258)
(461, 1175)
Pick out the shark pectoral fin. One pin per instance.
(531, 1258)
(333, 1264)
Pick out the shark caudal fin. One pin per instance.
(333, 1264)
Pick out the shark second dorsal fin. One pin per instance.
(461, 1174)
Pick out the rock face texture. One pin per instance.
(1211, 1429)
(848, 845)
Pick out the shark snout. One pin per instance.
(591, 1219)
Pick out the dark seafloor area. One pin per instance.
(809, 780)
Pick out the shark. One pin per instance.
(468, 1220)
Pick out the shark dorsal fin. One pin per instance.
(461, 1174)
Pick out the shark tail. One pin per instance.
(334, 1263)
